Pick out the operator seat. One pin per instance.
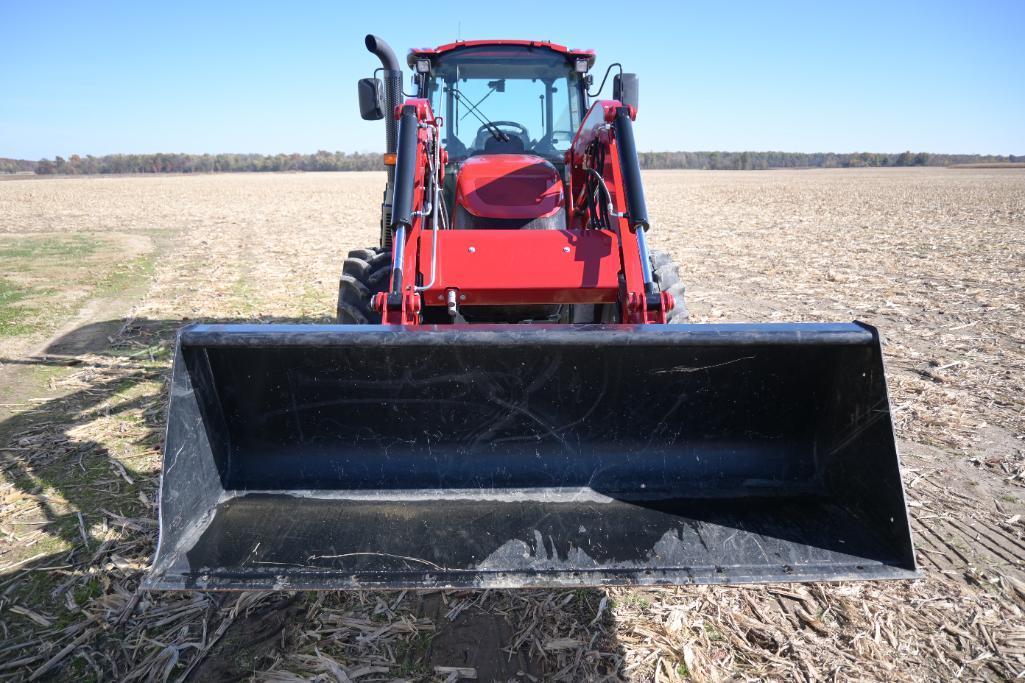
(514, 145)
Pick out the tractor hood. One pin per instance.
(509, 186)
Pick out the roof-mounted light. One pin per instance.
(581, 66)
(423, 66)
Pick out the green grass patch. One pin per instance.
(35, 588)
(49, 247)
(14, 314)
(44, 374)
(84, 592)
(243, 297)
(312, 303)
(56, 274)
(637, 600)
(79, 671)
(411, 655)
(124, 276)
(35, 259)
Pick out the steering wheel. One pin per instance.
(546, 142)
(521, 130)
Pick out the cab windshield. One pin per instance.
(505, 99)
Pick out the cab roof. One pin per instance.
(570, 53)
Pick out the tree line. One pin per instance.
(16, 165)
(207, 163)
(342, 161)
(749, 161)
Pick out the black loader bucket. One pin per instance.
(343, 457)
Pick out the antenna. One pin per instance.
(459, 31)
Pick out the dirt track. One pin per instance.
(933, 257)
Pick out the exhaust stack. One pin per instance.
(392, 78)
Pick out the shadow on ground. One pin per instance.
(84, 498)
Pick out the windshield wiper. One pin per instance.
(478, 103)
(497, 133)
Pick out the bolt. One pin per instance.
(566, 249)
(473, 249)
(441, 297)
(462, 297)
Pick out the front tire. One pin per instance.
(365, 273)
(665, 273)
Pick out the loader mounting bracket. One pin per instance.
(405, 303)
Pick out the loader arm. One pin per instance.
(604, 165)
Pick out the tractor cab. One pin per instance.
(510, 111)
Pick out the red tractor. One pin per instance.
(485, 221)
(503, 403)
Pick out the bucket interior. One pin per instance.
(544, 456)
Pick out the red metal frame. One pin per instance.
(504, 267)
(496, 267)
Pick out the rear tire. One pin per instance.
(666, 274)
(365, 273)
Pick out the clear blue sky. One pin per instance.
(105, 77)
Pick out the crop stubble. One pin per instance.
(933, 257)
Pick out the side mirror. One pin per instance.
(625, 88)
(371, 99)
